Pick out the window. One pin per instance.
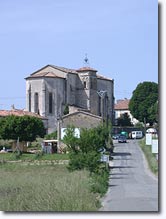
(99, 106)
(29, 101)
(84, 84)
(36, 103)
(50, 103)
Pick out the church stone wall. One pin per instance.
(79, 90)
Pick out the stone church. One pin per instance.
(50, 89)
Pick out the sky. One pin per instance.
(120, 38)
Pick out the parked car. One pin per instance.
(122, 139)
(136, 134)
(115, 136)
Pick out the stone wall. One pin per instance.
(78, 119)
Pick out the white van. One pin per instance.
(136, 134)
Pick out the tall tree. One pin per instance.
(143, 99)
(27, 128)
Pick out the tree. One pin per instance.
(84, 152)
(153, 111)
(124, 120)
(144, 97)
(27, 128)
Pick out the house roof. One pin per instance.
(122, 104)
(40, 73)
(19, 112)
(81, 112)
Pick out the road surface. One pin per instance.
(132, 187)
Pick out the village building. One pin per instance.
(21, 112)
(78, 119)
(121, 107)
(51, 89)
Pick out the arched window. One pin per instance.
(36, 103)
(50, 103)
(84, 84)
(29, 101)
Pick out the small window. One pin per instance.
(50, 103)
(84, 84)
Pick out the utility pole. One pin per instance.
(144, 125)
(102, 94)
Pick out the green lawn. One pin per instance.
(45, 188)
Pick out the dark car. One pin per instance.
(122, 139)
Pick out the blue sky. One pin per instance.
(119, 36)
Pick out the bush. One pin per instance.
(100, 181)
(52, 135)
(84, 153)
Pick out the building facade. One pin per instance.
(121, 107)
(50, 89)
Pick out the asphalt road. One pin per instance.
(132, 187)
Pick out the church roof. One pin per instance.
(44, 72)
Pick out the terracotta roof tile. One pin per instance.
(86, 69)
(17, 112)
(122, 104)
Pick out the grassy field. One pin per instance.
(45, 188)
(26, 156)
(152, 162)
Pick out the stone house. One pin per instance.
(50, 89)
(20, 112)
(121, 107)
(78, 119)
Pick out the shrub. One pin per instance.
(84, 153)
(52, 135)
(100, 181)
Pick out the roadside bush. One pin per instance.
(100, 181)
(89, 161)
(84, 153)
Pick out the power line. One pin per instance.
(11, 98)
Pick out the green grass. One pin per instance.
(152, 162)
(27, 157)
(45, 188)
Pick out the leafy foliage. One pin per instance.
(52, 135)
(143, 99)
(124, 120)
(27, 128)
(85, 151)
(66, 110)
